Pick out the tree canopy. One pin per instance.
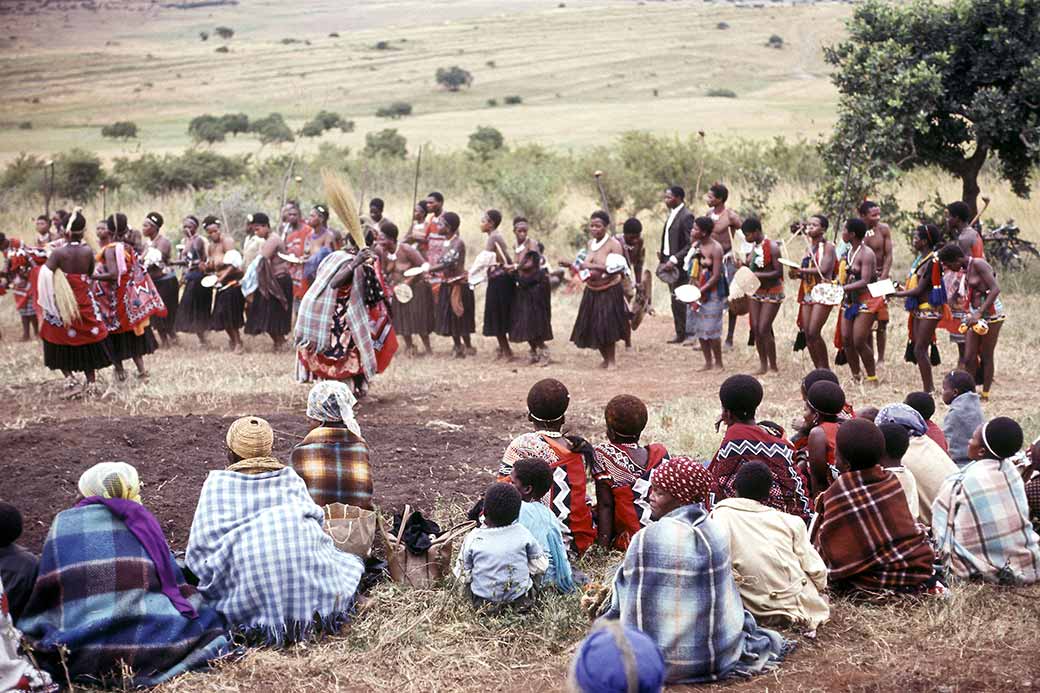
(943, 84)
(454, 77)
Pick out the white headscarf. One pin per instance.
(111, 480)
(331, 400)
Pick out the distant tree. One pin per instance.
(25, 125)
(204, 35)
(485, 141)
(722, 26)
(77, 174)
(121, 130)
(775, 41)
(492, 103)
(382, 45)
(721, 92)
(207, 128)
(513, 100)
(325, 120)
(235, 123)
(398, 109)
(454, 77)
(387, 143)
(223, 49)
(950, 84)
(272, 129)
(491, 64)
(224, 32)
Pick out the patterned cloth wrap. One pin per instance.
(129, 302)
(333, 462)
(747, 443)
(264, 561)
(17, 673)
(98, 595)
(676, 585)
(867, 537)
(980, 521)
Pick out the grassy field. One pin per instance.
(586, 71)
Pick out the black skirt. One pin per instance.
(266, 314)
(532, 311)
(193, 312)
(76, 359)
(127, 345)
(418, 316)
(168, 289)
(228, 310)
(498, 305)
(602, 318)
(449, 324)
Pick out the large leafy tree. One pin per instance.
(946, 84)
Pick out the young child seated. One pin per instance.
(897, 441)
(965, 414)
(532, 477)
(496, 561)
(924, 404)
(17, 566)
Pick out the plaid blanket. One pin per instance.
(746, 443)
(676, 585)
(980, 521)
(264, 561)
(98, 595)
(318, 305)
(867, 537)
(333, 462)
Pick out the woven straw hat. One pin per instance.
(250, 437)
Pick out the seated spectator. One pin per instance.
(676, 585)
(964, 416)
(17, 671)
(897, 440)
(925, 406)
(1031, 477)
(497, 561)
(616, 659)
(824, 405)
(746, 441)
(333, 458)
(532, 478)
(924, 458)
(567, 455)
(258, 548)
(110, 603)
(864, 531)
(778, 572)
(622, 473)
(980, 520)
(17, 565)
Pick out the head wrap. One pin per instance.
(618, 659)
(111, 480)
(904, 415)
(250, 437)
(331, 400)
(193, 219)
(684, 478)
(155, 218)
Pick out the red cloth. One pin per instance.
(627, 513)
(89, 329)
(570, 492)
(936, 434)
(295, 244)
(128, 304)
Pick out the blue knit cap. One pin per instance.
(599, 665)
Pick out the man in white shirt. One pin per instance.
(675, 244)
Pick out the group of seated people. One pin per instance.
(717, 553)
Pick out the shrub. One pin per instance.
(530, 182)
(334, 34)
(398, 109)
(722, 26)
(289, 41)
(224, 32)
(122, 130)
(77, 174)
(24, 173)
(492, 102)
(485, 141)
(775, 41)
(722, 93)
(204, 35)
(454, 77)
(235, 123)
(382, 45)
(223, 49)
(25, 125)
(193, 169)
(513, 100)
(272, 129)
(387, 143)
(207, 128)
(491, 64)
(326, 120)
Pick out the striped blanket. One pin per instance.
(980, 521)
(866, 536)
(264, 561)
(98, 595)
(676, 585)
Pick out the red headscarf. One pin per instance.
(685, 478)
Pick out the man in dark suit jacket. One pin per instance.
(675, 243)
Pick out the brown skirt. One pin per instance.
(532, 311)
(602, 318)
(418, 316)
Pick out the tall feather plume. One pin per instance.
(342, 201)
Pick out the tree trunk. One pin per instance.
(969, 174)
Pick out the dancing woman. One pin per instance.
(925, 300)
